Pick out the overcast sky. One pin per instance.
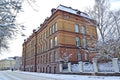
(32, 19)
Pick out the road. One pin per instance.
(20, 75)
(12, 75)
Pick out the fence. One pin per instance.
(87, 67)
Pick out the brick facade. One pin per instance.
(63, 33)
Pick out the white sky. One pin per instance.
(32, 19)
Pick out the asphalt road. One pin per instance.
(11, 75)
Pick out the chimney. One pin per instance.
(24, 40)
(34, 30)
(78, 12)
(53, 10)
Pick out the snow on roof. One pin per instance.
(67, 9)
(73, 11)
(9, 58)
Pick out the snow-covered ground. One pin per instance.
(19, 75)
(73, 77)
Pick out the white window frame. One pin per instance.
(77, 41)
(53, 29)
(50, 30)
(76, 27)
(51, 43)
(83, 30)
(51, 57)
(55, 41)
(56, 27)
(84, 43)
(79, 56)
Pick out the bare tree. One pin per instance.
(8, 26)
(8, 12)
(108, 25)
(65, 57)
(99, 13)
(108, 50)
(116, 22)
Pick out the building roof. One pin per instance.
(8, 59)
(66, 9)
(73, 11)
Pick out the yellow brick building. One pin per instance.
(7, 64)
(67, 32)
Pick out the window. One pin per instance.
(46, 57)
(79, 56)
(76, 28)
(56, 55)
(86, 55)
(45, 34)
(53, 29)
(55, 25)
(84, 43)
(42, 36)
(50, 30)
(43, 58)
(51, 57)
(83, 30)
(38, 60)
(44, 46)
(32, 44)
(51, 43)
(77, 41)
(55, 41)
(67, 17)
(40, 48)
